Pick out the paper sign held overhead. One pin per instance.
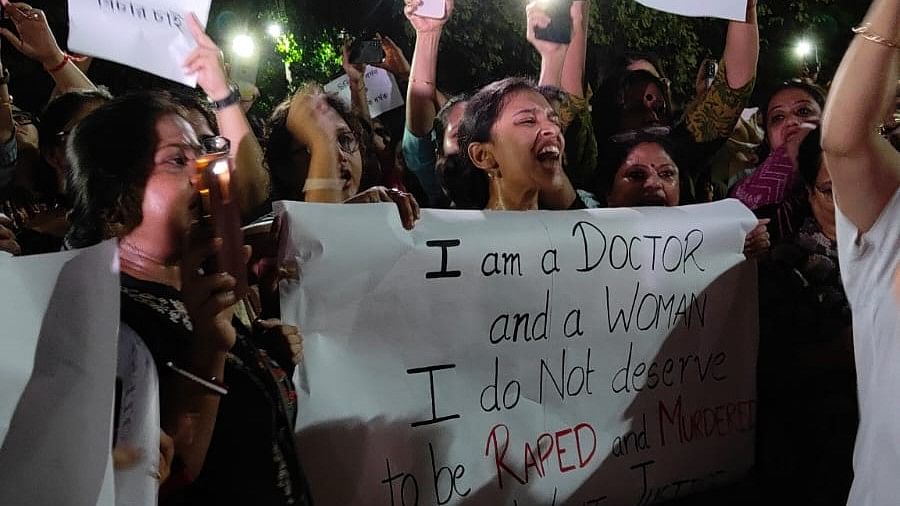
(382, 90)
(726, 9)
(149, 35)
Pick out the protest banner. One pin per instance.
(150, 35)
(58, 369)
(726, 9)
(381, 89)
(522, 358)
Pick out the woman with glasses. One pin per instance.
(133, 167)
(642, 171)
(315, 153)
(806, 367)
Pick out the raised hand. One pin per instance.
(207, 62)
(311, 120)
(354, 71)
(422, 24)
(33, 36)
(395, 61)
(536, 17)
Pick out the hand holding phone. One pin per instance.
(366, 52)
(435, 9)
(560, 28)
(428, 16)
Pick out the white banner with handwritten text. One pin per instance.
(522, 358)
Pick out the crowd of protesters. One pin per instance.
(819, 167)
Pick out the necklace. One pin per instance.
(136, 262)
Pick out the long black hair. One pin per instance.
(54, 128)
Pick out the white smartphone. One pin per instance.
(436, 9)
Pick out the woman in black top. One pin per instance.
(133, 168)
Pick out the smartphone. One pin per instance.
(436, 9)
(366, 51)
(221, 213)
(560, 28)
(710, 68)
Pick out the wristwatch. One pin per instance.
(233, 98)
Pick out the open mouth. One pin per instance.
(548, 151)
(652, 200)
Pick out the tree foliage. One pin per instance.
(485, 40)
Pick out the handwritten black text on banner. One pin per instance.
(601, 357)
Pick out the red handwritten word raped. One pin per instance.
(569, 446)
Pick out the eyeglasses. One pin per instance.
(214, 145)
(348, 142)
(630, 135)
(23, 118)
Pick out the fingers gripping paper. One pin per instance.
(726, 9)
(150, 35)
(526, 358)
(58, 370)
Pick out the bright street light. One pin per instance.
(803, 48)
(274, 30)
(243, 46)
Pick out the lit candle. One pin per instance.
(223, 176)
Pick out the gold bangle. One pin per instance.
(866, 32)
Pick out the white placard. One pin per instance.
(150, 35)
(138, 421)
(58, 351)
(726, 9)
(522, 358)
(381, 89)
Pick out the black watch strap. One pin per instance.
(233, 98)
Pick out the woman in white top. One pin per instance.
(865, 173)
